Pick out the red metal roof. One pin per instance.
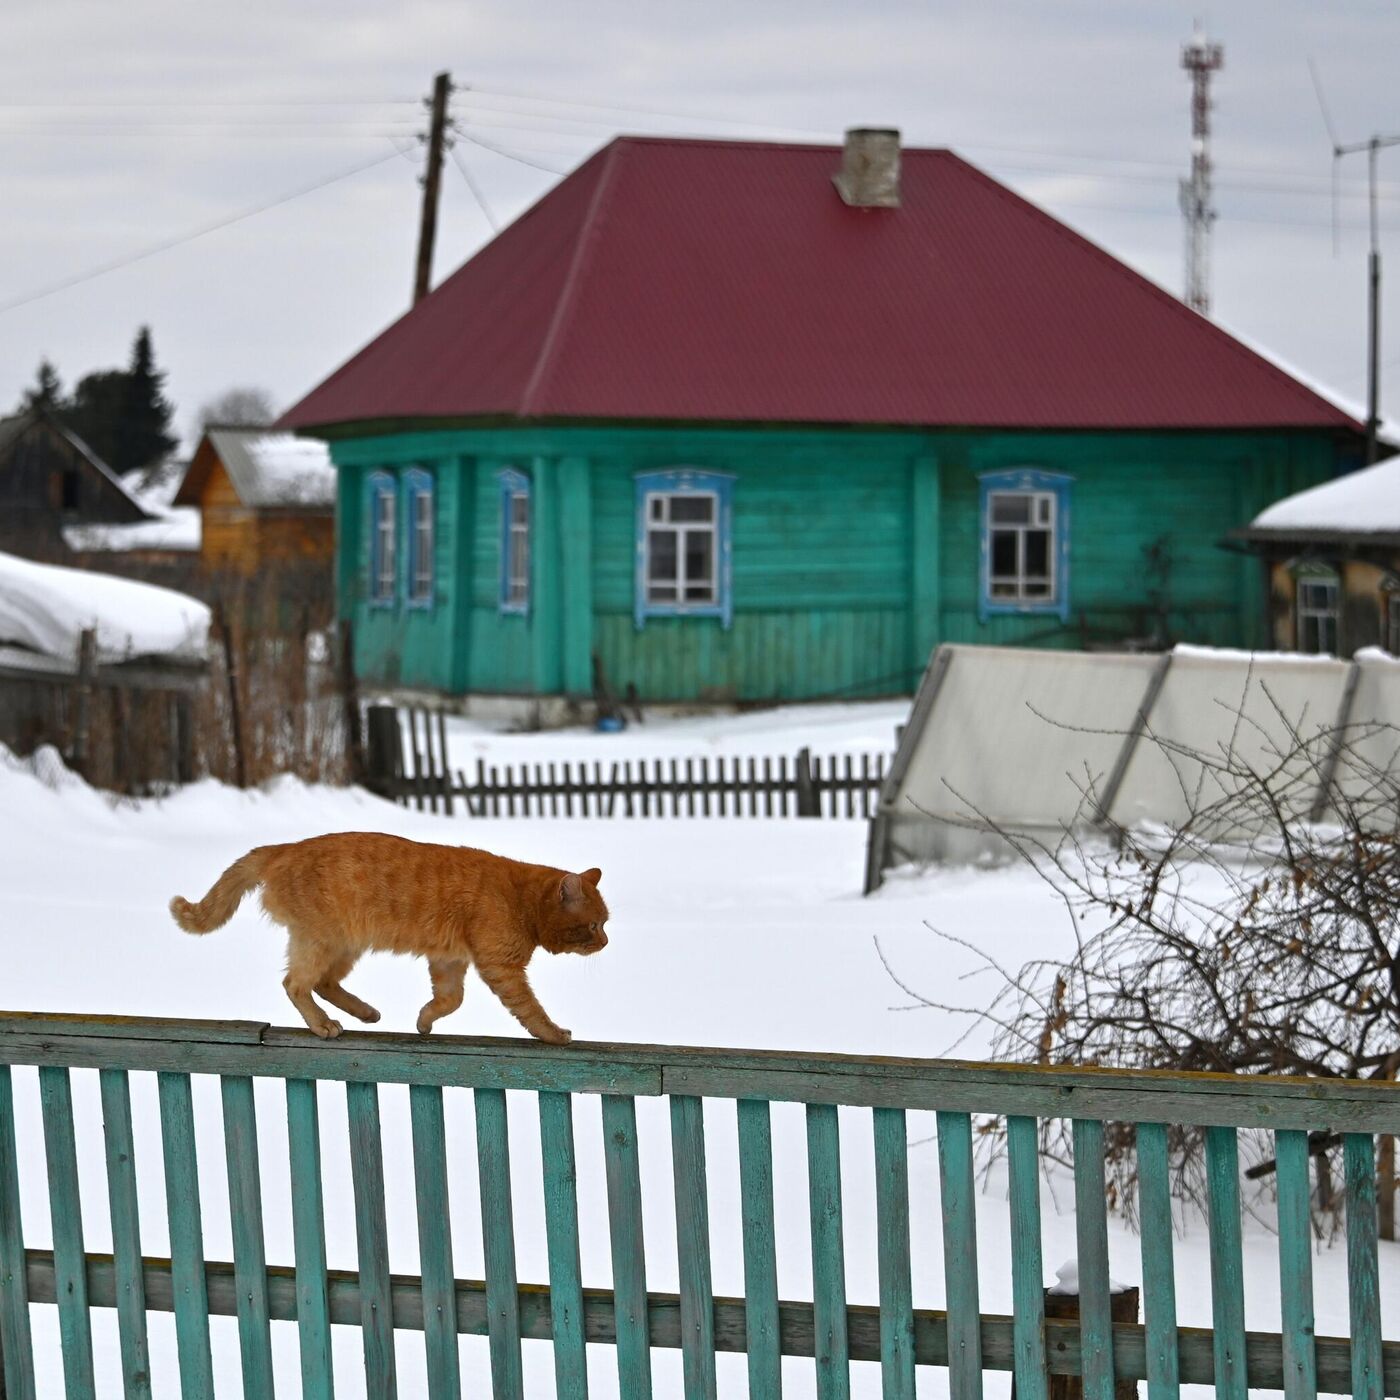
(728, 281)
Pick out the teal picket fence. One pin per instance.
(828, 1328)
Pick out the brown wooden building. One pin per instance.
(265, 498)
(51, 481)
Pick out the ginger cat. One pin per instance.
(342, 896)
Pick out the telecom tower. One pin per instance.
(1200, 60)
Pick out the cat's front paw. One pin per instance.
(555, 1035)
(329, 1030)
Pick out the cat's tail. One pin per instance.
(217, 907)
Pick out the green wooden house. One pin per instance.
(753, 421)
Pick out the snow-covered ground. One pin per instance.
(825, 729)
(738, 932)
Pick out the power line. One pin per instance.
(184, 103)
(166, 244)
(500, 151)
(477, 193)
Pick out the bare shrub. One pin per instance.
(1247, 938)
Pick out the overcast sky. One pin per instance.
(127, 126)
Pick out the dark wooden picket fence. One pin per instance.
(407, 760)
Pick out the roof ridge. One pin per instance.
(567, 298)
(1131, 273)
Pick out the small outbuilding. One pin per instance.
(1332, 559)
(52, 481)
(265, 499)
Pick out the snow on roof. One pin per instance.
(47, 608)
(275, 469)
(177, 529)
(1364, 502)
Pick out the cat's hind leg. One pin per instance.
(448, 979)
(307, 963)
(329, 989)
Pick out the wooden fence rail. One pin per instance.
(408, 761)
(633, 1319)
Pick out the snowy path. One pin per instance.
(736, 932)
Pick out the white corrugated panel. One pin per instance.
(1234, 710)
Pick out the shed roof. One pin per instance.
(724, 280)
(266, 468)
(1362, 507)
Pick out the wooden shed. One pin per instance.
(265, 498)
(50, 481)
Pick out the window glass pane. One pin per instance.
(661, 555)
(692, 508)
(658, 508)
(699, 556)
(661, 593)
(1004, 588)
(1003, 554)
(1010, 509)
(519, 508)
(1037, 563)
(1043, 507)
(1036, 588)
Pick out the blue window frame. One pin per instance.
(1025, 518)
(515, 541)
(684, 557)
(383, 517)
(420, 520)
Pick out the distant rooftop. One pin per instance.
(266, 467)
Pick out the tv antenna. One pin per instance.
(1372, 146)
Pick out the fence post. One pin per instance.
(240, 764)
(350, 701)
(82, 728)
(384, 750)
(184, 739)
(1123, 1307)
(808, 801)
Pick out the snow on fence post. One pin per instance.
(1062, 1302)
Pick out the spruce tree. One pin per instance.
(47, 390)
(145, 436)
(97, 413)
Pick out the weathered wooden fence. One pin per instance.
(409, 763)
(827, 1328)
(126, 726)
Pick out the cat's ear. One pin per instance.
(593, 876)
(571, 890)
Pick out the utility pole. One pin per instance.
(1373, 147)
(1200, 60)
(432, 184)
